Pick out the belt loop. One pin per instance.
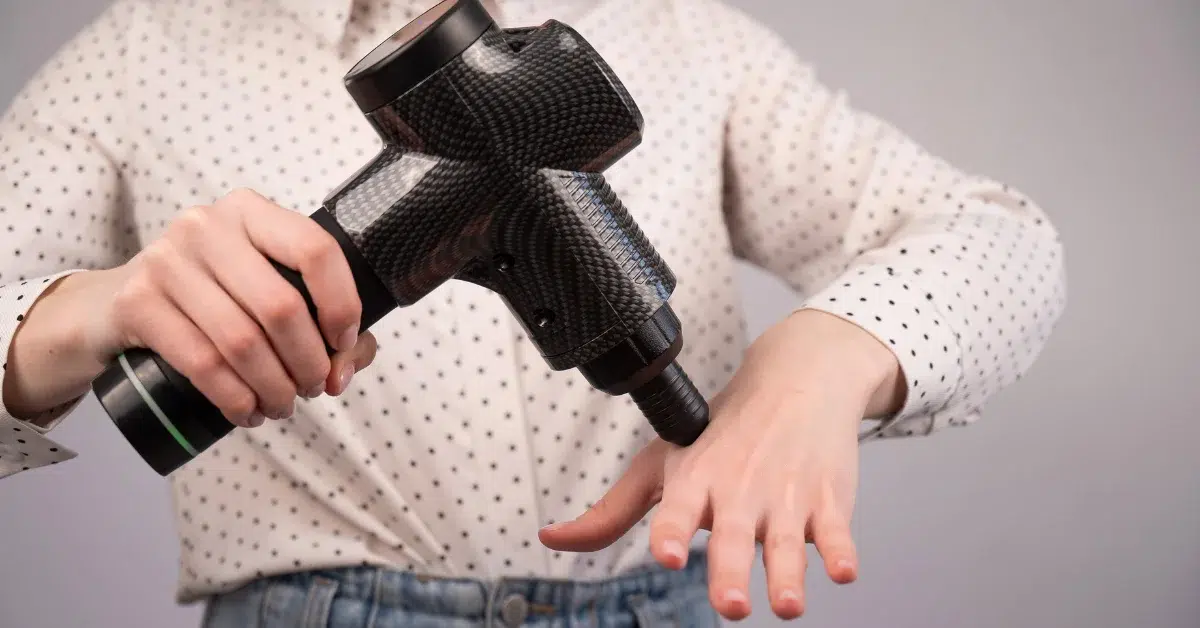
(493, 591)
(376, 587)
(319, 603)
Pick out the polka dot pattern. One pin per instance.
(447, 454)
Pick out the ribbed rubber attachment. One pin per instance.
(673, 406)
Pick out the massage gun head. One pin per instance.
(494, 144)
(452, 83)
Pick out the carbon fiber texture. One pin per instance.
(490, 173)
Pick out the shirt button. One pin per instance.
(513, 610)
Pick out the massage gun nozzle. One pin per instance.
(673, 406)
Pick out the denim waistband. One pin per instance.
(472, 599)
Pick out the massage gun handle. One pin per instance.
(166, 419)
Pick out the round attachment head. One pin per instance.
(416, 51)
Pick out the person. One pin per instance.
(435, 469)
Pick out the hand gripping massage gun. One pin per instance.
(494, 144)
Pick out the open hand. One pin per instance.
(778, 465)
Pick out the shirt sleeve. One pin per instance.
(62, 146)
(961, 276)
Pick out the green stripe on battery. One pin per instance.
(162, 416)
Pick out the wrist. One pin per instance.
(855, 359)
(50, 358)
(92, 335)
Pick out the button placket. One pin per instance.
(491, 370)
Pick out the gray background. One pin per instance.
(1076, 502)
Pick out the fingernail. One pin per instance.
(348, 339)
(735, 596)
(674, 549)
(789, 596)
(344, 377)
(256, 419)
(289, 411)
(845, 564)
(550, 527)
(314, 392)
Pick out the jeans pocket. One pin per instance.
(685, 607)
(693, 608)
(240, 608)
(653, 613)
(287, 605)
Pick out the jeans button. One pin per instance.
(513, 610)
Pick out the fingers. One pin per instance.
(345, 364)
(260, 290)
(619, 510)
(299, 243)
(677, 520)
(731, 553)
(156, 322)
(831, 535)
(785, 561)
(236, 336)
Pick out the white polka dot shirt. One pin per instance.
(458, 443)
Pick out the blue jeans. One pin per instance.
(367, 597)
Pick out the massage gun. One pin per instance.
(494, 141)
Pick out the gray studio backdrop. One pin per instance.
(1075, 503)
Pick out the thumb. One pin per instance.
(344, 364)
(619, 510)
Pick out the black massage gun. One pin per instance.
(494, 144)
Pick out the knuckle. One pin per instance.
(239, 197)
(241, 343)
(678, 506)
(131, 297)
(733, 525)
(190, 222)
(281, 307)
(692, 471)
(156, 259)
(318, 247)
(203, 363)
(666, 528)
(785, 540)
(830, 518)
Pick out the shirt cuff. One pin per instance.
(895, 305)
(22, 447)
(23, 444)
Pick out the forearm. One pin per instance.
(49, 363)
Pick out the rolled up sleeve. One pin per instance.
(960, 275)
